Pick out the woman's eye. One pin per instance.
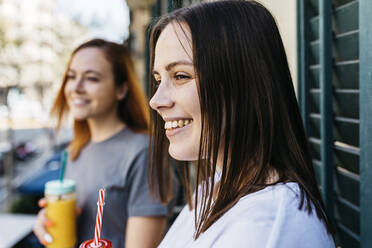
(68, 77)
(156, 82)
(181, 76)
(94, 79)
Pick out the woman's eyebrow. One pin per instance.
(85, 72)
(181, 62)
(173, 64)
(93, 71)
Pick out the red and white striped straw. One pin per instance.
(100, 203)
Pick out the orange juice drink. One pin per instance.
(61, 210)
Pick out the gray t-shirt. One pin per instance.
(119, 164)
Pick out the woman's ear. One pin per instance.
(121, 91)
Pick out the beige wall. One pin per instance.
(284, 12)
(140, 18)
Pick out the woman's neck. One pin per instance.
(104, 128)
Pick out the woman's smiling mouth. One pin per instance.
(174, 127)
(79, 102)
(169, 125)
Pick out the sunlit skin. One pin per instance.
(91, 93)
(177, 97)
(90, 89)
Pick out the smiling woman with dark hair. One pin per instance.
(222, 90)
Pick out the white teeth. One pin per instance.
(79, 101)
(176, 124)
(168, 125)
(180, 123)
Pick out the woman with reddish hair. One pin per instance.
(110, 147)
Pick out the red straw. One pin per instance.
(100, 203)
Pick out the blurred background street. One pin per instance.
(36, 39)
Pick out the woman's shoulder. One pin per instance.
(271, 196)
(272, 216)
(280, 201)
(267, 218)
(265, 202)
(127, 142)
(131, 145)
(124, 146)
(138, 139)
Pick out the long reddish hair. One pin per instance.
(132, 110)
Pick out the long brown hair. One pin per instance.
(243, 81)
(132, 110)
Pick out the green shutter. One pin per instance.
(365, 44)
(335, 50)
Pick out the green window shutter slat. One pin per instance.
(315, 147)
(314, 77)
(346, 157)
(346, 46)
(346, 130)
(347, 214)
(312, 8)
(346, 75)
(347, 185)
(347, 133)
(343, 157)
(347, 238)
(314, 130)
(314, 53)
(317, 170)
(345, 18)
(346, 104)
(338, 3)
(314, 28)
(314, 100)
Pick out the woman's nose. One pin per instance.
(78, 85)
(162, 98)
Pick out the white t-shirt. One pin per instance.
(265, 219)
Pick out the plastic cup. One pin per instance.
(103, 243)
(61, 210)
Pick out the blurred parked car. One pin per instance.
(24, 151)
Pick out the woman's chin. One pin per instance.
(80, 117)
(182, 154)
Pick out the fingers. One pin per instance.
(78, 211)
(42, 203)
(47, 239)
(39, 228)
